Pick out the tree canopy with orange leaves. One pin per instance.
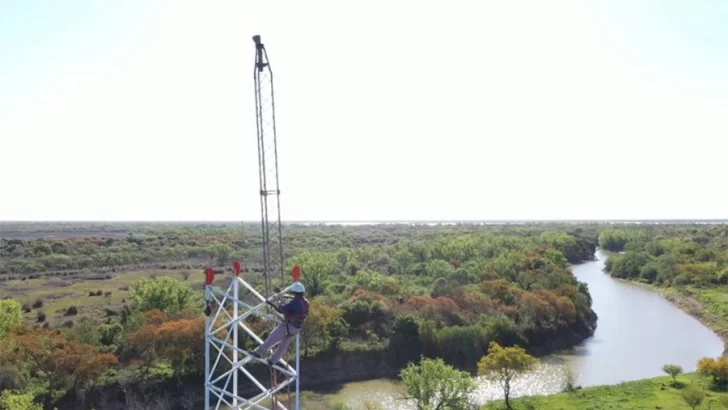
(62, 363)
(177, 341)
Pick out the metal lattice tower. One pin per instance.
(240, 301)
(270, 207)
(227, 355)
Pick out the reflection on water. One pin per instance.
(546, 379)
(638, 331)
(388, 394)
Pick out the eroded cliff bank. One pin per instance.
(324, 370)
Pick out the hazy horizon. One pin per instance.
(363, 221)
(141, 111)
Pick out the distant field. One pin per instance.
(58, 293)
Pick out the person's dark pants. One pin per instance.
(281, 336)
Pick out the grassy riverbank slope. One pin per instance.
(648, 394)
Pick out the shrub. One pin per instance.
(693, 396)
(38, 303)
(41, 317)
(12, 399)
(569, 380)
(71, 311)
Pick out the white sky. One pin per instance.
(385, 110)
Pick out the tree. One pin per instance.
(316, 270)
(717, 368)
(435, 385)
(405, 340)
(141, 346)
(63, 363)
(319, 327)
(673, 370)
(693, 396)
(14, 400)
(179, 342)
(11, 315)
(166, 294)
(222, 252)
(504, 365)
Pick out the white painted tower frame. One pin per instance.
(222, 385)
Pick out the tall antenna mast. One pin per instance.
(227, 310)
(270, 192)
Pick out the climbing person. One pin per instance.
(294, 314)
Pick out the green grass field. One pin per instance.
(58, 293)
(652, 394)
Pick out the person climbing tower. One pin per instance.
(294, 314)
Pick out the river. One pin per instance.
(638, 331)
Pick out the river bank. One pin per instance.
(686, 301)
(705, 305)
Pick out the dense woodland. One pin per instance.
(669, 257)
(28, 249)
(441, 291)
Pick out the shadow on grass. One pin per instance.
(677, 385)
(718, 387)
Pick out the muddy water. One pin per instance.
(638, 331)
